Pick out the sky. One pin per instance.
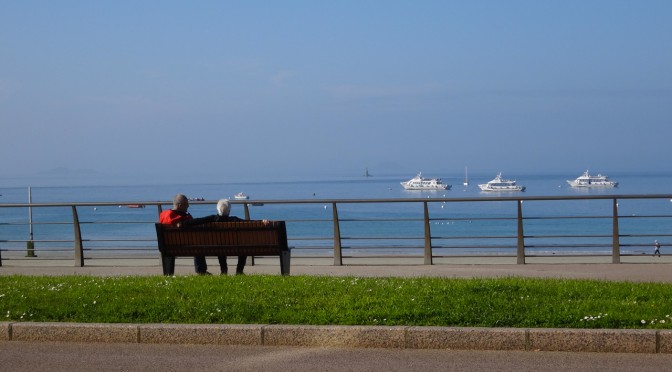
(227, 91)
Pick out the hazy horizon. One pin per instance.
(155, 91)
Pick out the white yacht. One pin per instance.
(241, 196)
(586, 180)
(499, 184)
(420, 183)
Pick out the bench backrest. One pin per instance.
(223, 238)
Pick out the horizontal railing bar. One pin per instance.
(359, 201)
(472, 256)
(379, 238)
(566, 236)
(475, 237)
(313, 238)
(473, 246)
(568, 246)
(647, 216)
(641, 235)
(382, 256)
(571, 255)
(111, 240)
(565, 217)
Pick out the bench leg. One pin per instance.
(285, 258)
(168, 263)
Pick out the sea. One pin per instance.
(482, 227)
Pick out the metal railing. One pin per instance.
(427, 229)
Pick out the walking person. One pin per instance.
(656, 251)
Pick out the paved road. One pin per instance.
(42, 356)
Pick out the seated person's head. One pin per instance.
(180, 203)
(223, 207)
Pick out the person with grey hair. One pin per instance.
(223, 210)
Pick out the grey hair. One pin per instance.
(223, 207)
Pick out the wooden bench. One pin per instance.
(246, 238)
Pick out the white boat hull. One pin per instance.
(421, 183)
(486, 187)
(408, 187)
(592, 184)
(499, 184)
(586, 180)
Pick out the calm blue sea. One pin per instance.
(457, 226)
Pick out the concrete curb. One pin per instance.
(522, 339)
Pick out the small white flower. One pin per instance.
(643, 321)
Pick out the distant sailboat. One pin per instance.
(466, 177)
(366, 173)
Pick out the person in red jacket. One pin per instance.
(179, 215)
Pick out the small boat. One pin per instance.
(500, 184)
(135, 206)
(241, 196)
(420, 183)
(586, 180)
(466, 177)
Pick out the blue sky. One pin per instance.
(249, 90)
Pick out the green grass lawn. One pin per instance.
(322, 300)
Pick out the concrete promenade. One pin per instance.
(642, 269)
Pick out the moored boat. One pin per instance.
(420, 183)
(500, 184)
(586, 180)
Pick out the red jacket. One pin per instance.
(171, 217)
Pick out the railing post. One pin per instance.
(247, 211)
(338, 258)
(521, 236)
(616, 244)
(79, 248)
(30, 244)
(247, 218)
(428, 238)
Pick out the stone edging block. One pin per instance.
(401, 337)
(214, 334)
(74, 332)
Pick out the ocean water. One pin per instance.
(366, 228)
